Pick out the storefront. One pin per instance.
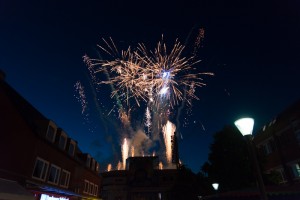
(11, 190)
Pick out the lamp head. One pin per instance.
(245, 125)
(215, 186)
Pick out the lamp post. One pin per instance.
(245, 126)
(216, 187)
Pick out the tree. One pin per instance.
(229, 162)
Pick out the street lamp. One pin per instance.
(215, 186)
(245, 126)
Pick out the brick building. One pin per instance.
(39, 156)
(143, 179)
(279, 143)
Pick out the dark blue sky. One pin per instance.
(252, 47)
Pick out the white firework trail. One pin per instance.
(168, 131)
(148, 120)
(125, 151)
(109, 167)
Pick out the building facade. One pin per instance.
(279, 143)
(39, 155)
(144, 180)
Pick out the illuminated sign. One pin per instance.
(47, 197)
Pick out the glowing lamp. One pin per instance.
(245, 125)
(215, 186)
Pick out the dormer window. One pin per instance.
(62, 141)
(97, 167)
(71, 148)
(88, 161)
(51, 131)
(93, 164)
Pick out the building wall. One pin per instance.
(23, 140)
(279, 143)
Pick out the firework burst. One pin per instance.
(158, 79)
(150, 75)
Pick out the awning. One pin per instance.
(11, 190)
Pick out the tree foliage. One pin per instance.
(229, 162)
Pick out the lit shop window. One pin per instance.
(40, 169)
(65, 178)
(47, 197)
(54, 174)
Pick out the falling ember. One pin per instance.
(160, 166)
(82, 98)
(201, 34)
(125, 150)
(148, 120)
(153, 154)
(119, 166)
(124, 117)
(168, 132)
(132, 151)
(109, 167)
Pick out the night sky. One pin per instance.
(253, 47)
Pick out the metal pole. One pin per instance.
(257, 169)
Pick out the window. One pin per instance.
(62, 142)
(88, 161)
(269, 147)
(93, 164)
(50, 133)
(86, 186)
(40, 169)
(54, 174)
(91, 188)
(65, 178)
(296, 170)
(281, 175)
(96, 190)
(97, 167)
(71, 148)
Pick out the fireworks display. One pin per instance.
(150, 75)
(125, 151)
(81, 96)
(155, 81)
(168, 131)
